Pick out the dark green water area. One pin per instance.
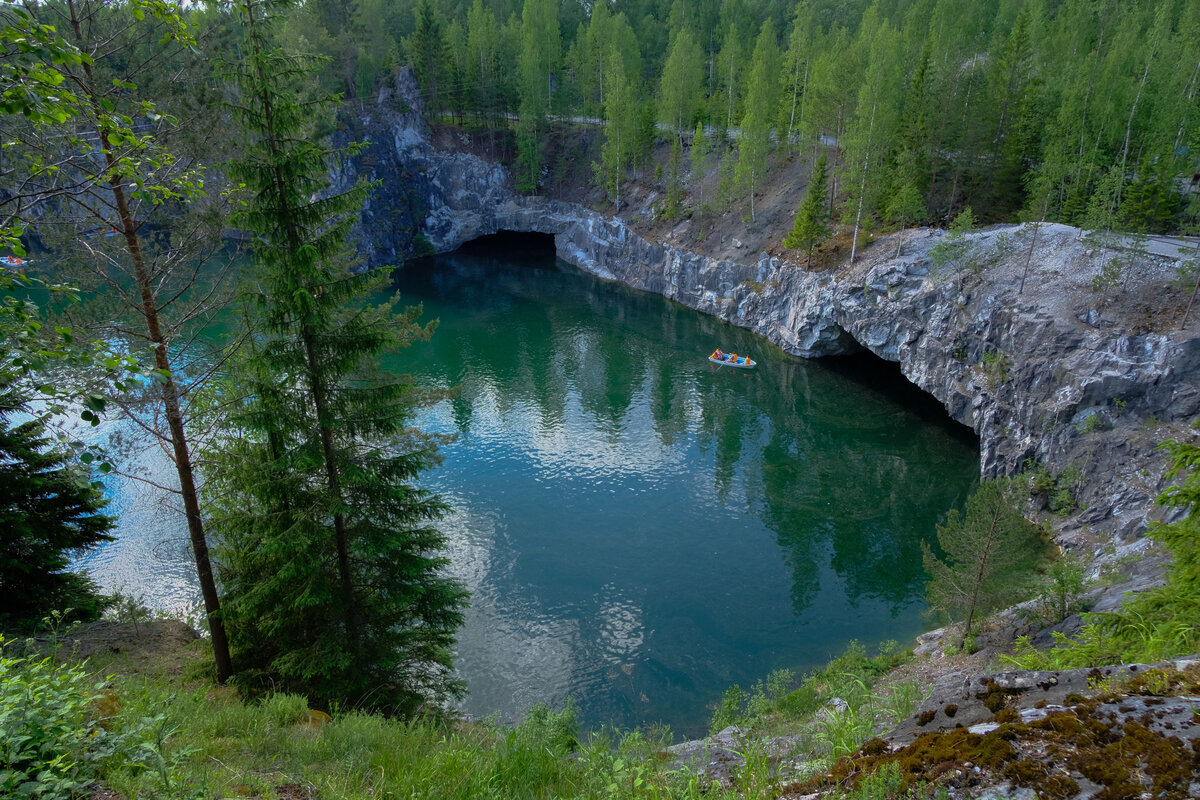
(641, 529)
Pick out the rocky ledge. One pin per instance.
(1020, 337)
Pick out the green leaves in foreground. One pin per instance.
(51, 741)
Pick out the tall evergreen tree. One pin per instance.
(329, 556)
(427, 51)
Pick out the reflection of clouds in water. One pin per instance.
(516, 657)
(469, 540)
(514, 654)
(565, 444)
(622, 632)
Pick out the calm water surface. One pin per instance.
(639, 529)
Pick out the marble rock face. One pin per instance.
(1004, 349)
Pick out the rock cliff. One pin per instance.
(1012, 337)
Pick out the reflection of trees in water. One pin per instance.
(855, 472)
(828, 460)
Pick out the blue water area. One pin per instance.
(640, 529)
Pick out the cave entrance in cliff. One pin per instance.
(520, 244)
(878, 375)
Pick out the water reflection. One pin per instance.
(667, 528)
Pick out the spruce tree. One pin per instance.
(329, 556)
(812, 221)
(48, 510)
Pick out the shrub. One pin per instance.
(52, 740)
(995, 368)
(1060, 594)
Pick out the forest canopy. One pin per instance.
(1078, 111)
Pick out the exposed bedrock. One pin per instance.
(1026, 370)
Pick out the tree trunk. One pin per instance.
(863, 188)
(979, 573)
(1029, 255)
(170, 389)
(333, 481)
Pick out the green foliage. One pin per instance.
(620, 125)
(53, 742)
(1056, 492)
(48, 510)
(1017, 126)
(1092, 423)
(422, 247)
(202, 738)
(330, 561)
(995, 366)
(1156, 624)
(673, 206)
(1110, 276)
(730, 711)
(991, 551)
(905, 207)
(812, 220)
(760, 104)
(426, 49)
(952, 249)
(1060, 592)
(886, 783)
(851, 677)
(680, 88)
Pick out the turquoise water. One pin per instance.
(641, 529)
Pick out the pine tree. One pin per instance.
(812, 222)
(329, 557)
(990, 552)
(48, 510)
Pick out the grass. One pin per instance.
(837, 708)
(166, 736)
